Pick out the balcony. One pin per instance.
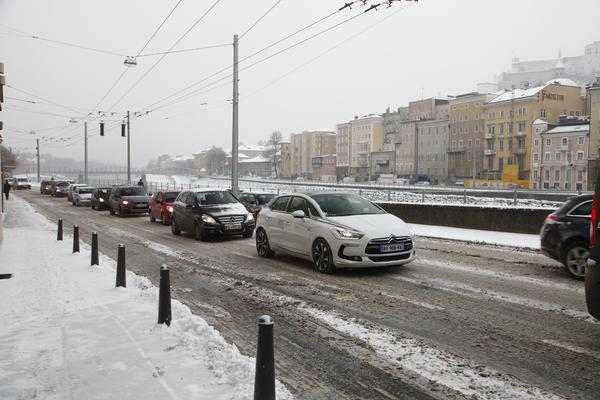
(455, 150)
(490, 152)
(490, 135)
(521, 134)
(519, 150)
(562, 147)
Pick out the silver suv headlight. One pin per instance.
(346, 234)
(249, 217)
(208, 219)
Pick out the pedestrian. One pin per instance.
(6, 188)
(141, 182)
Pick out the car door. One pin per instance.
(577, 220)
(274, 220)
(297, 231)
(115, 195)
(179, 209)
(155, 204)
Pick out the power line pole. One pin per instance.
(128, 151)
(85, 157)
(37, 148)
(234, 141)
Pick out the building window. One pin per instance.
(580, 155)
(535, 174)
(536, 156)
(521, 126)
(557, 174)
(501, 141)
(492, 115)
(491, 129)
(546, 175)
(477, 143)
(536, 143)
(565, 141)
(581, 140)
(547, 156)
(460, 144)
(579, 176)
(501, 114)
(543, 113)
(548, 142)
(557, 156)
(470, 143)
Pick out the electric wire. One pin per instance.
(260, 19)
(46, 100)
(214, 46)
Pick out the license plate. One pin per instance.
(233, 227)
(388, 248)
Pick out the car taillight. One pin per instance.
(594, 222)
(551, 219)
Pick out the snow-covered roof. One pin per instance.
(258, 159)
(252, 147)
(539, 122)
(183, 158)
(570, 129)
(516, 94)
(562, 81)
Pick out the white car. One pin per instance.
(71, 188)
(334, 230)
(82, 196)
(21, 183)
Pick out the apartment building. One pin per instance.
(305, 146)
(466, 136)
(432, 159)
(406, 149)
(509, 118)
(426, 109)
(285, 167)
(343, 149)
(366, 136)
(560, 154)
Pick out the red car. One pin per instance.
(161, 206)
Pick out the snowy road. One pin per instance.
(462, 321)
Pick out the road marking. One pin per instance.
(414, 302)
(296, 345)
(573, 348)
(384, 393)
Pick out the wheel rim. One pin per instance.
(577, 260)
(262, 243)
(321, 256)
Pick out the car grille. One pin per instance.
(396, 257)
(373, 245)
(231, 219)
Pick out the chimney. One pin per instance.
(356, 117)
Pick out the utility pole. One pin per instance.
(234, 141)
(85, 156)
(128, 151)
(37, 148)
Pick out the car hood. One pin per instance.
(224, 209)
(374, 225)
(85, 195)
(136, 199)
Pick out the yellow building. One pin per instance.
(509, 119)
(366, 137)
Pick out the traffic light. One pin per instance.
(101, 128)
(123, 128)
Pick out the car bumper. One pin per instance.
(219, 230)
(128, 210)
(353, 255)
(84, 202)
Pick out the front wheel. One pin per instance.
(198, 233)
(164, 220)
(575, 259)
(174, 229)
(152, 219)
(112, 212)
(322, 257)
(120, 212)
(262, 244)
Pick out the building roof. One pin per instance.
(569, 129)
(258, 159)
(518, 94)
(539, 122)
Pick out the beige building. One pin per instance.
(286, 160)
(593, 110)
(426, 109)
(560, 154)
(432, 160)
(466, 137)
(366, 136)
(509, 120)
(406, 149)
(305, 146)
(343, 149)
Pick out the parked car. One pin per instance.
(72, 187)
(128, 200)
(592, 270)
(20, 183)
(565, 235)
(59, 188)
(46, 186)
(334, 230)
(100, 198)
(82, 196)
(209, 213)
(254, 201)
(161, 206)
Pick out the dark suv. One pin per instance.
(209, 213)
(46, 187)
(255, 201)
(100, 198)
(565, 234)
(59, 189)
(128, 200)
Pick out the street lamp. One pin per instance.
(130, 61)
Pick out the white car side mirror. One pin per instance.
(298, 214)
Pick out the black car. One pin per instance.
(46, 187)
(128, 200)
(565, 235)
(255, 201)
(100, 198)
(592, 271)
(59, 188)
(209, 213)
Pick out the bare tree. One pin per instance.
(273, 149)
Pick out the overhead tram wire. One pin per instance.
(196, 92)
(164, 55)
(260, 19)
(214, 46)
(247, 57)
(46, 100)
(139, 52)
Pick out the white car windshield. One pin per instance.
(340, 204)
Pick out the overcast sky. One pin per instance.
(429, 48)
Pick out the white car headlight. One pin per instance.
(170, 209)
(101, 200)
(250, 217)
(125, 202)
(411, 232)
(208, 219)
(342, 233)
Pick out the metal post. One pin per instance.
(465, 196)
(75, 239)
(121, 280)
(234, 141)
(37, 147)
(264, 379)
(85, 156)
(515, 197)
(164, 297)
(94, 260)
(128, 151)
(59, 233)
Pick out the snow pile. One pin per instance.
(67, 332)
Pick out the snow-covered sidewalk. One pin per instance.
(68, 333)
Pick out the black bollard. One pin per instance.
(164, 297)
(264, 380)
(94, 249)
(75, 239)
(121, 266)
(59, 235)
